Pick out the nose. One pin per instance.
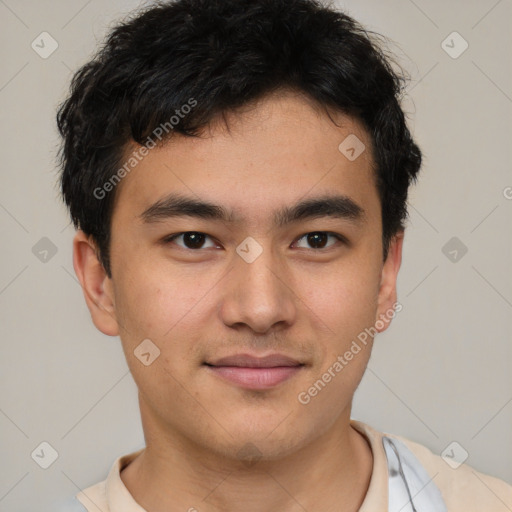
(259, 295)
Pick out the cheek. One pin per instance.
(163, 312)
(154, 301)
(343, 298)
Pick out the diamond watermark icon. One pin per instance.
(454, 249)
(45, 455)
(351, 147)
(249, 250)
(146, 352)
(44, 250)
(454, 455)
(44, 45)
(249, 454)
(454, 45)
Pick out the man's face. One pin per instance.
(199, 298)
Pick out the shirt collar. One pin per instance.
(118, 497)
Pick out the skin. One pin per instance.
(200, 304)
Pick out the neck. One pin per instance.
(332, 473)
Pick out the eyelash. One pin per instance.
(340, 238)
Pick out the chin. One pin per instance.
(264, 441)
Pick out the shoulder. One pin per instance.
(104, 495)
(461, 486)
(94, 498)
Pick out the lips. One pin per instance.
(256, 373)
(248, 361)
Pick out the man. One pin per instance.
(238, 174)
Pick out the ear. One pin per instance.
(96, 285)
(387, 297)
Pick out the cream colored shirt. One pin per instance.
(406, 477)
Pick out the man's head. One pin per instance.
(219, 56)
(239, 174)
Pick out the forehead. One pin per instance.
(253, 161)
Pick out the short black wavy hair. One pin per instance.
(225, 54)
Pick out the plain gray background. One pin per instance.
(441, 373)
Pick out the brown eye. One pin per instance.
(319, 239)
(191, 240)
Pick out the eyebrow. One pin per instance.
(176, 205)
